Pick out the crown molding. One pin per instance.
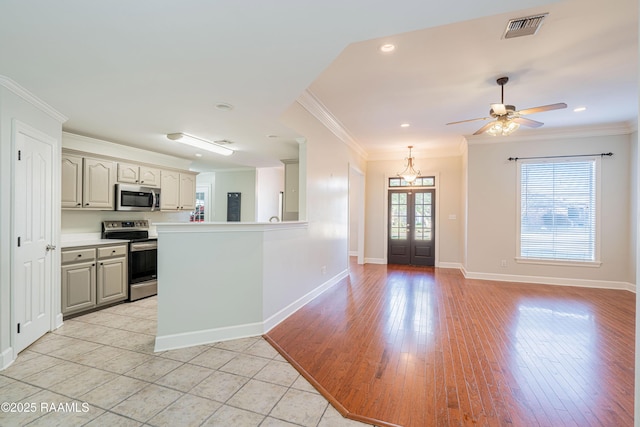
(622, 128)
(318, 110)
(451, 149)
(18, 90)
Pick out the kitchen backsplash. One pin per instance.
(91, 221)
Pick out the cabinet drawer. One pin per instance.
(78, 255)
(110, 251)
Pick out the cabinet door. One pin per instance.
(98, 184)
(78, 287)
(128, 173)
(170, 190)
(112, 280)
(149, 177)
(71, 172)
(187, 192)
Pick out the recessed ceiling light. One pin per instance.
(405, 125)
(386, 48)
(579, 109)
(223, 106)
(198, 155)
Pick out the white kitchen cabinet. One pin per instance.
(178, 191)
(71, 184)
(98, 184)
(93, 276)
(111, 283)
(131, 173)
(78, 280)
(87, 183)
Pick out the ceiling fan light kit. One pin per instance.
(507, 118)
(409, 174)
(503, 127)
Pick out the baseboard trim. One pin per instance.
(455, 265)
(6, 358)
(207, 336)
(281, 315)
(375, 261)
(555, 281)
(58, 321)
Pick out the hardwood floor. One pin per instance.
(418, 346)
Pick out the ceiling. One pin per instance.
(131, 72)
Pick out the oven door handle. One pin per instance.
(135, 247)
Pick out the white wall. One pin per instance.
(492, 197)
(633, 205)
(449, 188)
(237, 181)
(290, 267)
(269, 185)
(324, 196)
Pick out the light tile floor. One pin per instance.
(100, 370)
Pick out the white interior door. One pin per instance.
(32, 278)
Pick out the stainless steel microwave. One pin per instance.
(137, 198)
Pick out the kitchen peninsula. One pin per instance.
(221, 281)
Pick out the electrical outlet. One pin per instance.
(503, 263)
(323, 269)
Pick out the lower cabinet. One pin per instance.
(93, 276)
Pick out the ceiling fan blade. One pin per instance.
(557, 106)
(499, 109)
(483, 128)
(470, 120)
(527, 122)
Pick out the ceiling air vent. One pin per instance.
(526, 26)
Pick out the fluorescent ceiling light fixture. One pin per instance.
(579, 109)
(200, 143)
(386, 48)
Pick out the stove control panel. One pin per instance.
(138, 224)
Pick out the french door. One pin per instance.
(411, 227)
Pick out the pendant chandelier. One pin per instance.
(409, 174)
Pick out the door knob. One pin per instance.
(50, 248)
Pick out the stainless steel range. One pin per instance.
(143, 255)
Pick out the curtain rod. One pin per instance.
(515, 159)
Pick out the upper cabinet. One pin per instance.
(87, 183)
(130, 173)
(71, 181)
(178, 191)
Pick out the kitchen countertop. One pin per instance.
(87, 239)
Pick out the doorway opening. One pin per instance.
(411, 222)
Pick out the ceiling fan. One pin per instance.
(507, 118)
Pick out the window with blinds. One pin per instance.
(558, 210)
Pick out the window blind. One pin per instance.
(558, 210)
